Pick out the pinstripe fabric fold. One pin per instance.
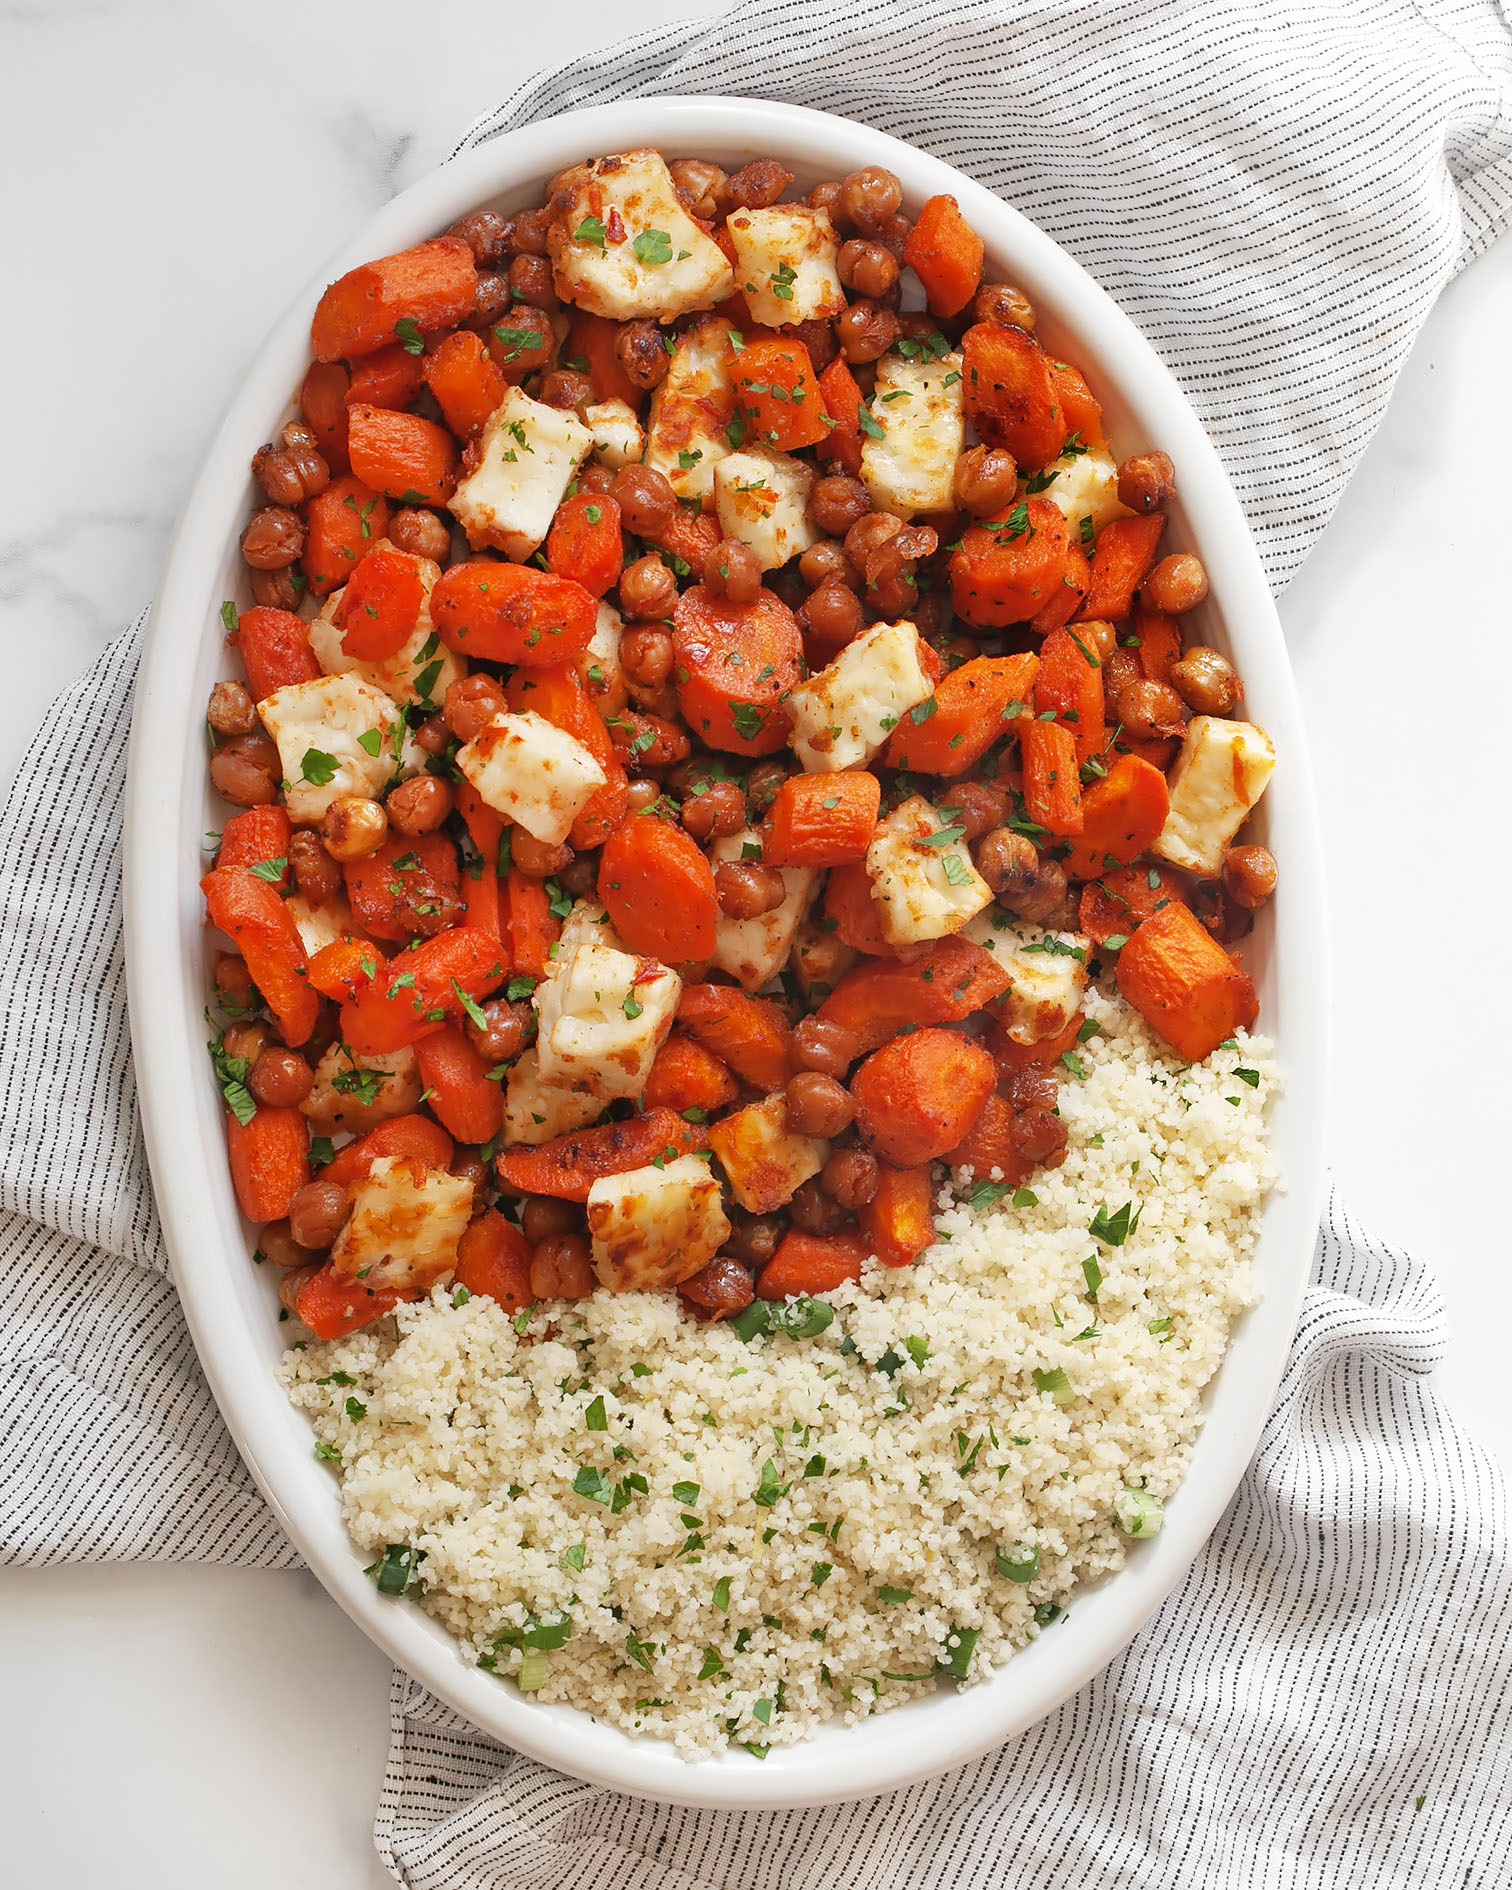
(1275, 193)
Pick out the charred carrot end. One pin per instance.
(1069, 682)
(1157, 642)
(658, 889)
(857, 916)
(456, 1078)
(811, 1263)
(823, 819)
(410, 1138)
(898, 1221)
(567, 1166)
(1124, 552)
(750, 1034)
(381, 891)
(275, 650)
(270, 1161)
(1010, 396)
(1009, 1055)
(688, 1079)
(341, 525)
(402, 455)
(1079, 406)
(398, 298)
(493, 1259)
(972, 707)
(1066, 597)
(1052, 783)
(1184, 984)
(689, 535)
(1006, 570)
(945, 253)
(466, 382)
(332, 1305)
(778, 392)
(736, 665)
(917, 1096)
(591, 339)
(344, 969)
(1121, 815)
(842, 401)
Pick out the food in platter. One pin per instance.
(734, 1023)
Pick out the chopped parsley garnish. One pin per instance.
(273, 871)
(748, 719)
(596, 1418)
(782, 279)
(318, 768)
(407, 333)
(869, 425)
(516, 341)
(652, 247)
(396, 1570)
(593, 1484)
(1019, 1563)
(1055, 1384)
(1114, 1229)
(231, 1074)
(590, 230)
(893, 1596)
(770, 1489)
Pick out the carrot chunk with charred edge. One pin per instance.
(532, 929)
(945, 253)
(1159, 642)
(658, 889)
(917, 1096)
(1124, 551)
(493, 1258)
(559, 696)
(948, 981)
(736, 664)
(898, 1221)
(410, 1138)
(341, 523)
(270, 1161)
(460, 1094)
(322, 401)
(988, 1145)
(1006, 570)
(1078, 405)
(969, 715)
(466, 382)
(811, 1263)
(251, 914)
(1010, 396)
(778, 392)
(591, 338)
(275, 650)
(1052, 784)
(332, 1305)
(750, 1034)
(390, 378)
(1065, 598)
(1115, 903)
(1121, 815)
(584, 541)
(842, 400)
(567, 1166)
(512, 613)
(379, 606)
(822, 819)
(431, 286)
(686, 1076)
(376, 883)
(1184, 984)
(402, 454)
(1069, 681)
(256, 837)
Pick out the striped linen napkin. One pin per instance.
(1275, 193)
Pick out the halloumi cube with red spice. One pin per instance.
(422, 669)
(786, 259)
(531, 772)
(924, 884)
(653, 1226)
(535, 1110)
(623, 246)
(766, 1161)
(919, 415)
(762, 499)
(336, 735)
(527, 456)
(403, 1226)
(844, 715)
(1085, 485)
(619, 439)
(1047, 973)
(603, 1015)
(354, 1092)
(686, 435)
(599, 668)
(753, 951)
(1219, 775)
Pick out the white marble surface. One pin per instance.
(192, 165)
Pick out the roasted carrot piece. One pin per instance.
(1114, 904)
(1124, 551)
(1052, 783)
(945, 253)
(1078, 405)
(567, 1166)
(842, 401)
(379, 606)
(1184, 984)
(332, 1305)
(423, 988)
(735, 665)
(341, 523)
(1008, 1055)
(466, 382)
(858, 921)
(591, 340)
(972, 708)
(258, 836)
(270, 1161)
(390, 378)
(322, 401)
(1069, 681)
(412, 1138)
(493, 1258)
(1005, 570)
(427, 288)
(917, 1096)
(483, 899)
(778, 393)
(688, 537)
(658, 889)
(484, 826)
(1158, 644)
(1010, 396)
(371, 881)
(1158, 750)
(460, 1094)
(988, 1145)
(250, 913)
(1121, 815)
(898, 1221)
(811, 1263)
(531, 929)
(344, 969)
(512, 613)
(560, 697)
(584, 541)
(687, 1076)
(275, 650)
(1065, 598)
(750, 1034)
(402, 454)
(948, 981)
(823, 819)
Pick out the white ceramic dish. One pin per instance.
(230, 1304)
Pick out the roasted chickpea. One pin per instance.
(869, 197)
(866, 268)
(850, 1176)
(1206, 681)
(979, 807)
(746, 889)
(754, 186)
(234, 990)
(641, 795)
(580, 876)
(486, 234)
(712, 812)
(733, 570)
(432, 736)
(280, 1078)
(754, 1238)
(560, 1268)
(419, 805)
(247, 1041)
(1147, 482)
(826, 563)
(354, 827)
(1249, 876)
(316, 874)
(986, 478)
(1149, 710)
(763, 779)
(818, 337)
(468, 1166)
(421, 534)
(1004, 304)
(818, 1105)
(528, 237)
(276, 590)
(277, 1245)
(647, 589)
(594, 478)
(836, 502)
(718, 1289)
(646, 652)
(273, 538)
(492, 297)
(530, 282)
(826, 1048)
(814, 1210)
(1037, 1134)
(832, 614)
(697, 183)
(639, 350)
(521, 341)
(826, 197)
(471, 704)
(1100, 637)
(505, 1030)
(538, 859)
(543, 1218)
(566, 390)
(1177, 584)
(865, 331)
(1031, 1087)
(289, 1286)
(1024, 881)
(230, 711)
(317, 1214)
(245, 770)
(646, 501)
(294, 471)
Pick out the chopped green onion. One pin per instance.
(1019, 1563)
(1138, 1512)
